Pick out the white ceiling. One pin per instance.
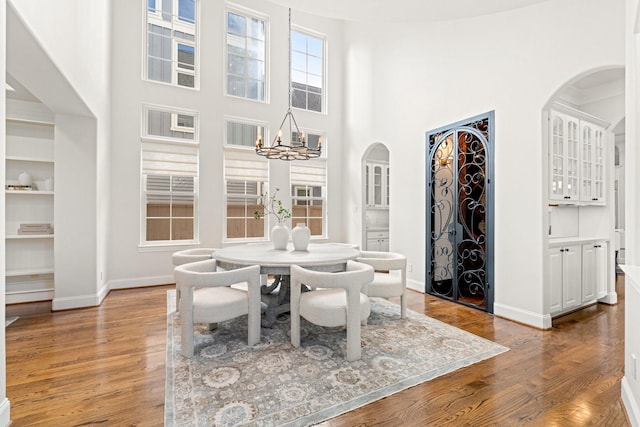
(380, 11)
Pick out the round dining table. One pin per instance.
(328, 257)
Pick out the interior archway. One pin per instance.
(595, 96)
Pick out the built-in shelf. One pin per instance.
(28, 236)
(30, 149)
(29, 272)
(30, 192)
(28, 159)
(32, 121)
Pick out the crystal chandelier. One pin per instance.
(297, 149)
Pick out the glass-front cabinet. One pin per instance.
(577, 149)
(592, 173)
(563, 157)
(377, 185)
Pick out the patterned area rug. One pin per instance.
(228, 383)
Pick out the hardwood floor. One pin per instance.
(106, 366)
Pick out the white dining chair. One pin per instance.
(337, 299)
(207, 297)
(390, 279)
(186, 256)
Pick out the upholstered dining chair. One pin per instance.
(338, 300)
(207, 297)
(390, 279)
(186, 256)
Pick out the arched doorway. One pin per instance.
(579, 140)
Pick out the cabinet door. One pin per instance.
(601, 269)
(555, 280)
(572, 277)
(386, 185)
(564, 156)
(367, 183)
(588, 272)
(384, 245)
(378, 185)
(599, 159)
(592, 182)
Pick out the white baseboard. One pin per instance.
(68, 303)
(611, 298)
(141, 282)
(415, 285)
(81, 301)
(630, 404)
(5, 412)
(537, 320)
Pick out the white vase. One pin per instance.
(280, 236)
(48, 184)
(25, 178)
(300, 235)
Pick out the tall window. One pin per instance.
(246, 176)
(169, 175)
(172, 42)
(308, 195)
(246, 55)
(307, 71)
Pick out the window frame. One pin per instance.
(324, 78)
(262, 186)
(295, 186)
(147, 138)
(248, 14)
(175, 24)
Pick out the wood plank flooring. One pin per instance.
(105, 366)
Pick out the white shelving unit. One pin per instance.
(29, 257)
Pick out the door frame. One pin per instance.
(490, 203)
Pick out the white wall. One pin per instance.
(128, 264)
(4, 402)
(60, 51)
(630, 382)
(426, 76)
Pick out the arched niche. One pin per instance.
(375, 197)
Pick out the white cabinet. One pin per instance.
(29, 210)
(378, 241)
(576, 160)
(563, 157)
(565, 280)
(592, 160)
(376, 185)
(578, 275)
(594, 271)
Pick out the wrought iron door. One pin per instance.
(460, 212)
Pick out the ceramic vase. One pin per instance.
(280, 236)
(25, 178)
(300, 235)
(48, 184)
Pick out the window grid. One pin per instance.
(307, 71)
(246, 177)
(171, 47)
(246, 55)
(169, 175)
(309, 194)
(169, 208)
(308, 208)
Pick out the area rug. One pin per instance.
(228, 383)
